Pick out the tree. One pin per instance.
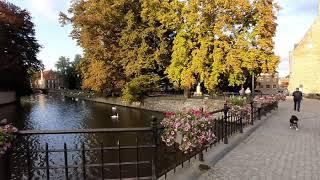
(217, 43)
(121, 38)
(97, 28)
(70, 71)
(223, 42)
(76, 71)
(18, 48)
(62, 65)
(63, 68)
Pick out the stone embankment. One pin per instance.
(158, 103)
(164, 104)
(7, 97)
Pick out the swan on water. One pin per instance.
(114, 108)
(77, 99)
(115, 116)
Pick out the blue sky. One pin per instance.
(294, 19)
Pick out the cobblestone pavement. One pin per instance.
(274, 151)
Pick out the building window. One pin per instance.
(274, 86)
(267, 86)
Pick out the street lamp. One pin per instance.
(252, 84)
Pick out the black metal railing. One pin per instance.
(140, 155)
(29, 169)
(226, 125)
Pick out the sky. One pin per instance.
(294, 19)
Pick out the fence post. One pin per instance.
(155, 141)
(47, 162)
(7, 158)
(66, 161)
(29, 163)
(241, 125)
(83, 161)
(259, 113)
(201, 152)
(225, 111)
(251, 104)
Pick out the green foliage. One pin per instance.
(18, 48)
(69, 71)
(213, 42)
(221, 41)
(136, 89)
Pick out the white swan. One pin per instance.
(115, 116)
(77, 99)
(114, 108)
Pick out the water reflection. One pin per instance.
(53, 112)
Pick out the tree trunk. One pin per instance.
(186, 93)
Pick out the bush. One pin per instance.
(137, 88)
(6, 136)
(238, 100)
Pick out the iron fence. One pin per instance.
(144, 157)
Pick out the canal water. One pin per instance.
(55, 112)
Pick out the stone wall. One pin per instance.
(166, 103)
(7, 97)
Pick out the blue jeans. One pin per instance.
(297, 104)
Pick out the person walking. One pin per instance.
(297, 97)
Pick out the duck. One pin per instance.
(115, 116)
(114, 108)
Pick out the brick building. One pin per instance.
(47, 80)
(305, 61)
(268, 83)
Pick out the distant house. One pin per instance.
(47, 80)
(284, 82)
(268, 83)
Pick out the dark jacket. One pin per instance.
(297, 95)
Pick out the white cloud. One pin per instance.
(43, 8)
(48, 9)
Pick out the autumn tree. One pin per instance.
(212, 42)
(18, 48)
(221, 41)
(97, 27)
(123, 38)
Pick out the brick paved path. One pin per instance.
(274, 151)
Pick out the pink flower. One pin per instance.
(184, 139)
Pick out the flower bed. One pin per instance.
(243, 106)
(193, 129)
(6, 137)
(270, 99)
(190, 129)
